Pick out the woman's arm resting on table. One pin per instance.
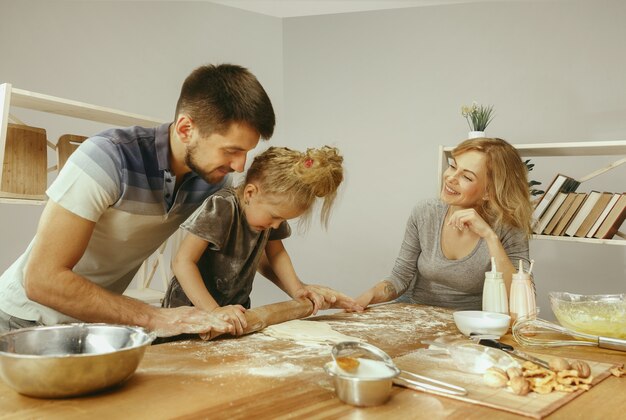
(382, 291)
(278, 268)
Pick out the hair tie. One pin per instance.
(308, 163)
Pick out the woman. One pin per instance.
(483, 211)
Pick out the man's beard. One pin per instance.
(212, 177)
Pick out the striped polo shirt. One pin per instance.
(121, 180)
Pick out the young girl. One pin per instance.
(236, 231)
(483, 211)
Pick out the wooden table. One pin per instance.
(261, 377)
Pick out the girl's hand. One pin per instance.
(233, 314)
(470, 219)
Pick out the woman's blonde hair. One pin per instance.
(299, 178)
(508, 200)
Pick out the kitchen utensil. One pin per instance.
(601, 315)
(275, 313)
(24, 170)
(494, 291)
(536, 332)
(69, 360)
(470, 357)
(522, 302)
(404, 378)
(369, 386)
(512, 351)
(482, 322)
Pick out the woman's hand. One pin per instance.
(233, 314)
(364, 299)
(383, 291)
(470, 219)
(324, 298)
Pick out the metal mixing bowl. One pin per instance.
(69, 360)
(363, 391)
(601, 315)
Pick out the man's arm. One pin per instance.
(60, 242)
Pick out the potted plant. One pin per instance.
(478, 118)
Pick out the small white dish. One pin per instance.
(481, 322)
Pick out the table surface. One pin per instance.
(264, 377)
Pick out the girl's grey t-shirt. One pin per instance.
(422, 274)
(229, 263)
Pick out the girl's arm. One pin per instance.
(284, 276)
(185, 267)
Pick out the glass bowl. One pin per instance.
(601, 315)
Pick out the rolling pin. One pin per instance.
(275, 313)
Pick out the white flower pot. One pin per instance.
(475, 134)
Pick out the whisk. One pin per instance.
(536, 332)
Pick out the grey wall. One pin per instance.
(386, 87)
(131, 56)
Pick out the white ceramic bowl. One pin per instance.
(481, 322)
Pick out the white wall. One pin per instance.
(131, 56)
(386, 87)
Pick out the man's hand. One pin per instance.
(324, 298)
(188, 320)
(235, 315)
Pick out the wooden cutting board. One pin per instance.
(534, 405)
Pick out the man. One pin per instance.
(121, 194)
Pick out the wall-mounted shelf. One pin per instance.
(11, 97)
(596, 148)
(17, 98)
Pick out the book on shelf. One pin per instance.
(569, 199)
(569, 215)
(560, 183)
(613, 220)
(605, 212)
(542, 223)
(581, 215)
(593, 215)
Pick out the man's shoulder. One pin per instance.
(127, 135)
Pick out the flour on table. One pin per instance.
(278, 370)
(307, 332)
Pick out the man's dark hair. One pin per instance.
(217, 96)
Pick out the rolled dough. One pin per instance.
(307, 332)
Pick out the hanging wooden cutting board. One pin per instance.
(24, 170)
(532, 405)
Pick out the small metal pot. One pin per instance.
(69, 360)
(362, 391)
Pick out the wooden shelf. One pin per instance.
(51, 104)
(10, 200)
(595, 148)
(615, 241)
(18, 98)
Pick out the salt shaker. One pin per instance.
(522, 295)
(494, 291)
